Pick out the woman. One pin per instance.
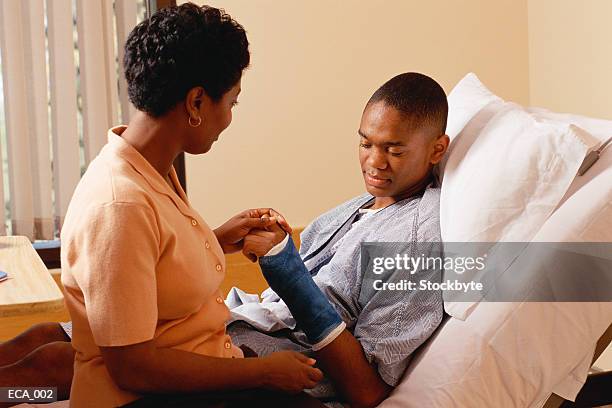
(141, 269)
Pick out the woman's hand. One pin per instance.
(259, 241)
(231, 234)
(291, 372)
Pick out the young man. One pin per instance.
(362, 338)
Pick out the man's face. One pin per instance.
(394, 158)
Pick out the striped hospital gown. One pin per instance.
(389, 325)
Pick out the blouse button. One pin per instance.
(194, 222)
(218, 267)
(207, 245)
(219, 299)
(228, 345)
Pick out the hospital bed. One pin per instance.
(503, 160)
(515, 354)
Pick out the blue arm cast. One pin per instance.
(288, 277)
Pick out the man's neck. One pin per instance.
(415, 189)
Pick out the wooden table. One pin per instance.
(30, 287)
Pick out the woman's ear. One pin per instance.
(193, 101)
(440, 146)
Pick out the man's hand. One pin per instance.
(260, 241)
(231, 234)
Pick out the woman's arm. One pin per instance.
(145, 368)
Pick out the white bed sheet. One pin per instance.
(494, 358)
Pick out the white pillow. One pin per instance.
(505, 183)
(466, 99)
(587, 214)
(601, 129)
(506, 170)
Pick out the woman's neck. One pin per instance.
(155, 140)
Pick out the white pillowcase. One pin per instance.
(504, 184)
(506, 170)
(599, 128)
(466, 99)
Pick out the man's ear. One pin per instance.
(440, 146)
(193, 101)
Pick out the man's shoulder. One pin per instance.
(326, 224)
(429, 215)
(340, 213)
(430, 202)
(351, 205)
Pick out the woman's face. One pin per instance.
(216, 117)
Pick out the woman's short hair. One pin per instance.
(179, 48)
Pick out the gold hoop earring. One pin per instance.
(195, 124)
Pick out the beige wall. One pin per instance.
(293, 143)
(570, 56)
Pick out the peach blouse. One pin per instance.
(138, 263)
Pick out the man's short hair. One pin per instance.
(419, 98)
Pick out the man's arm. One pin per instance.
(343, 358)
(345, 363)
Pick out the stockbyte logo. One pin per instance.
(493, 271)
(428, 285)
